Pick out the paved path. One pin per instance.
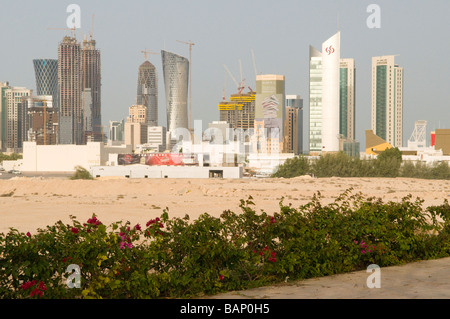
(425, 280)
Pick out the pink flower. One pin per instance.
(28, 234)
(137, 227)
(74, 230)
(363, 252)
(221, 277)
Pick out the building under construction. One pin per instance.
(91, 92)
(147, 91)
(70, 86)
(239, 112)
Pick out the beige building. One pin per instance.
(442, 141)
(136, 131)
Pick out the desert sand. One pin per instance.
(29, 203)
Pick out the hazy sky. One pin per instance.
(279, 32)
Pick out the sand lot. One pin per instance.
(29, 203)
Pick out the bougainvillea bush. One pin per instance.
(175, 257)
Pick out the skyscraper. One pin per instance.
(324, 96)
(315, 100)
(70, 83)
(46, 72)
(16, 117)
(387, 99)
(136, 132)
(293, 125)
(269, 113)
(347, 99)
(91, 94)
(240, 111)
(331, 50)
(147, 91)
(3, 88)
(176, 83)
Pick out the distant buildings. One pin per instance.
(269, 113)
(387, 100)
(176, 83)
(136, 126)
(14, 124)
(91, 67)
(70, 83)
(293, 125)
(156, 140)
(79, 85)
(239, 112)
(46, 74)
(117, 131)
(147, 91)
(331, 99)
(42, 120)
(347, 99)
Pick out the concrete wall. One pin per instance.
(64, 158)
(146, 171)
(10, 165)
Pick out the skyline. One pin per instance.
(227, 32)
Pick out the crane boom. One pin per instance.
(231, 75)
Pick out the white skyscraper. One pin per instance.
(387, 99)
(324, 96)
(331, 50)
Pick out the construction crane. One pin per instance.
(254, 63)
(73, 31)
(147, 52)
(190, 83)
(224, 87)
(231, 76)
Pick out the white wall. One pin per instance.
(60, 158)
(146, 171)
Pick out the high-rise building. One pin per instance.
(239, 112)
(269, 113)
(325, 97)
(136, 126)
(116, 131)
(331, 50)
(156, 140)
(387, 99)
(16, 117)
(315, 100)
(293, 125)
(347, 99)
(70, 86)
(91, 93)
(42, 120)
(46, 72)
(3, 88)
(147, 91)
(176, 83)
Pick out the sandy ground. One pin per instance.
(29, 203)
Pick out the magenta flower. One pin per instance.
(363, 252)
(28, 234)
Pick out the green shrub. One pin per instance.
(293, 167)
(177, 258)
(81, 173)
